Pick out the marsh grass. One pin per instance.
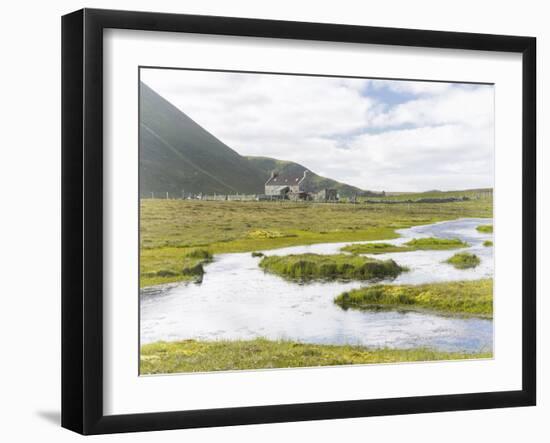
(457, 298)
(464, 260)
(330, 267)
(487, 243)
(415, 244)
(486, 229)
(201, 356)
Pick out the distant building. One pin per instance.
(294, 186)
(326, 195)
(284, 184)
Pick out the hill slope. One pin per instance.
(178, 154)
(313, 182)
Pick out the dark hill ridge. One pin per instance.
(177, 154)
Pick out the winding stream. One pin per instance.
(238, 300)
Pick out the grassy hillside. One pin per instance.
(313, 182)
(177, 154)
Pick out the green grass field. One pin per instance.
(415, 244)
(330, 267)
(456, 298)
(472, 194)
(200, 356)
(172, 228)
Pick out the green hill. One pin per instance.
(313, 182)
(178, 154)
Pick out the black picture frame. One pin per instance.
(82, 220)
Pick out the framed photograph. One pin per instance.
(268, 221)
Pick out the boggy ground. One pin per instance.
(177, 236)
(170, 229)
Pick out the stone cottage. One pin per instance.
(281, 184)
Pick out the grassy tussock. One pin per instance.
(330, 267)
(462, 297)
(486, 229)
(464, 260)
(487, 243)
(200, 356)
(415, 244)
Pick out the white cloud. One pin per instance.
(440, 137)
(449, 157)
(413, 87)
(466, 106)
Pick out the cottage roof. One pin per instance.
(285, 178)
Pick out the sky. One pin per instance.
(389, 135)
